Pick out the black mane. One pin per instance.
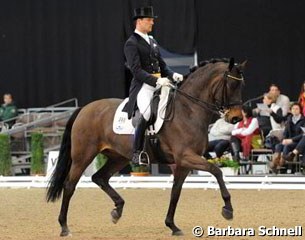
(205, 62)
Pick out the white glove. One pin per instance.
(177, 77)
(163, 81)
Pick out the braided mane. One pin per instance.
(205, 62)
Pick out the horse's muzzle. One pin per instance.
(236, 119)
(233, 114)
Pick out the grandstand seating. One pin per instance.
(49, 120)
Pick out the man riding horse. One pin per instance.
(214, 87)
(149, 71)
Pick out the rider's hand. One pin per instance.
(163, 81)
(177, 77)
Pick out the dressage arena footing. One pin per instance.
(289, 182)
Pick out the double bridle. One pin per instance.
(218, 108)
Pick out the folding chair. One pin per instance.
(260, 158)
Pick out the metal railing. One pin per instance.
(40, 122)
(58, 107)
(72, 100)
(50, 120)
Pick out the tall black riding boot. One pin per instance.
(139, 141)
(235, 151)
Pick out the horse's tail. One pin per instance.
(56, 183)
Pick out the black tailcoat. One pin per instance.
(143, 60)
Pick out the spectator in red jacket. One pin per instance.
(243, 133)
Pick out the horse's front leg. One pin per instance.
(198, 163)
(179, 177)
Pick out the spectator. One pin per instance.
(8, 109)
(219, 138)
(281, 100)
(299, 149)
(270, 117)
(292, 135)
(244, 134)
(302, 98)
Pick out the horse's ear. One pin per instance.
(243, 65)
(231, 64)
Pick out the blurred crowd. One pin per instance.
(272, 122)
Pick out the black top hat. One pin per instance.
(144, 12)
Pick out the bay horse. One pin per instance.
(213, 87)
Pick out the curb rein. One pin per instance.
(219, 109)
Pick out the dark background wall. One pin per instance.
(52, 50)
(270, 34)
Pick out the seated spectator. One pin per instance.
(270, 117)
(8, 109)
(301, 99)
(281, 100)
(219, 137)
(299, 149)
(244, 133)
(292, 135)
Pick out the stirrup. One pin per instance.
(143, 155)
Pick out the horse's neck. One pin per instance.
(198, 86)
(191, 111)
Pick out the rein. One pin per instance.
(219, 109)
(210, 106)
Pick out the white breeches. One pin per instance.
(144, 98)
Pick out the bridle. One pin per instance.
(225, 102)
(220, 108)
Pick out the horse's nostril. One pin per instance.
(235, 119)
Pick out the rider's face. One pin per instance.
(145, 24)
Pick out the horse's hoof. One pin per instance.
(65, 234)
(177, 233)
(115, 217)
(227, 214)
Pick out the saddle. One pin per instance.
(160, 102)
(154, 110)
(123, 125)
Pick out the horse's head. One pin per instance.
(231, 97)
(216, 85)
(225, 79)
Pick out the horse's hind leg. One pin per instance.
(77, 168)
(101, 178)
(69, 188)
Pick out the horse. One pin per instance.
(214, 87)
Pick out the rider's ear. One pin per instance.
(231, 64)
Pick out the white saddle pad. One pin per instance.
(123, 125)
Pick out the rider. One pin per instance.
(149, 72)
